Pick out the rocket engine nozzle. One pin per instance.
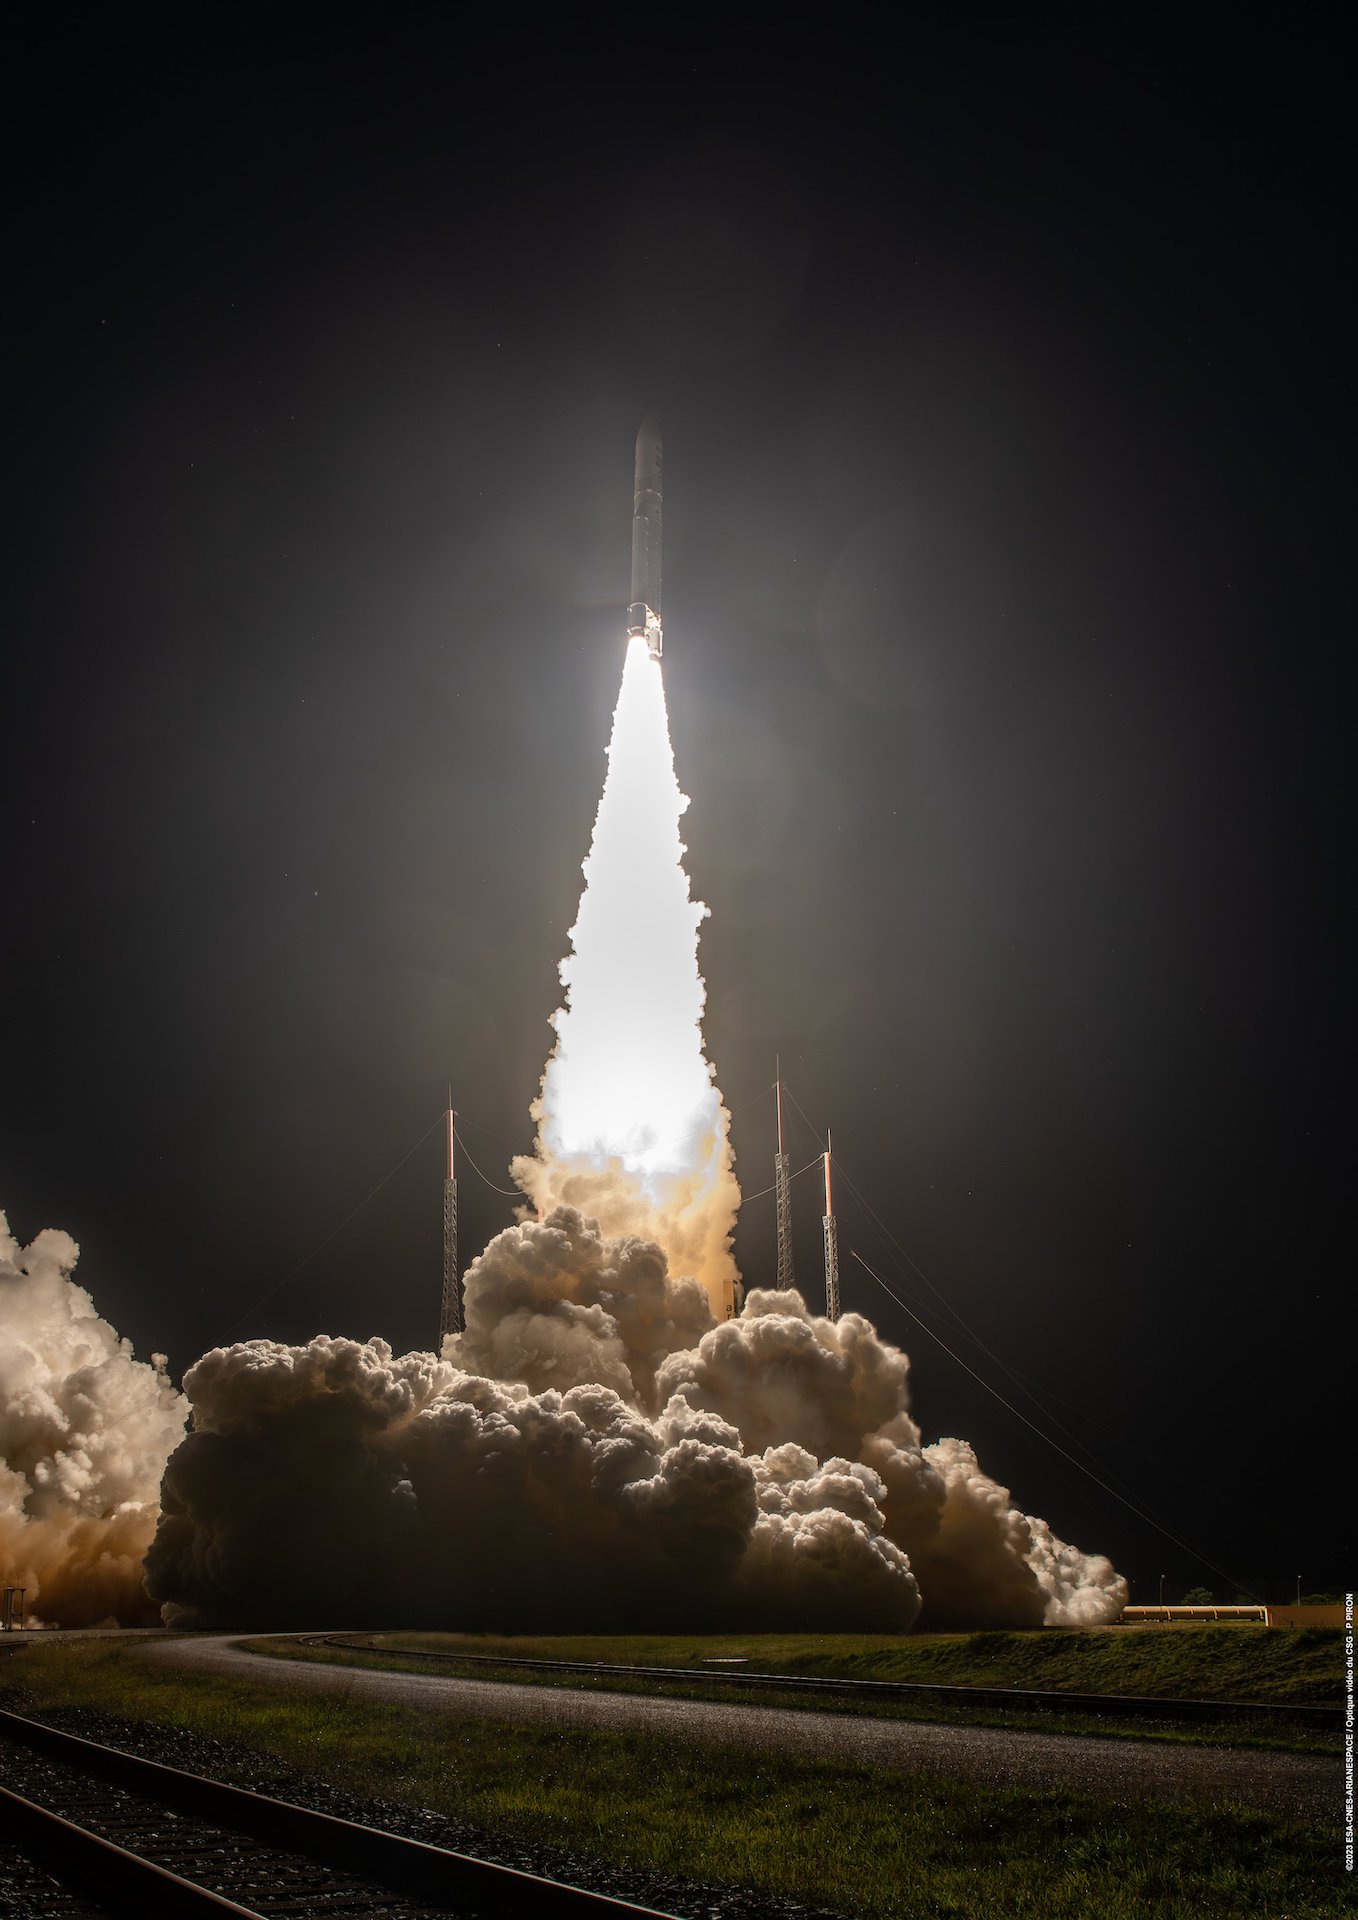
(643, 624)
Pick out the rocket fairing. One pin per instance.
(643, 615)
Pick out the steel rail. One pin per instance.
(414, 1866)
(103, 1869)
(1146, 1705)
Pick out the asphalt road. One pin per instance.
(1306, 1785)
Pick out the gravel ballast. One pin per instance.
(245, 1767)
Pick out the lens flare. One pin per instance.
(631, 1127)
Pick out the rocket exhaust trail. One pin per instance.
(631, 1128)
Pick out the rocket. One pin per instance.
(643, 615)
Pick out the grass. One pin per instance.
(1206, 1663)
(1268, 1665)
(880, 1843)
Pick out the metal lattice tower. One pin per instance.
(831, 1229)
(782, 1181)
(450, 1313)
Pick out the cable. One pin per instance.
(322, 1244)
(1018, 1379)
(1166, 1466)
(465, 1119)
(1026, 1387)
(887, 1236)
(963, 1326)
(763, 1095)
(746, 1197)
(1201, 1559)
(510, 1193)
(802, 1111)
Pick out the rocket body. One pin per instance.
(643, 615)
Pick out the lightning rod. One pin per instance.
(782, 1181)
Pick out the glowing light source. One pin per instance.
(627, 1094)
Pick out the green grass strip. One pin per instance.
(860, 1840)
(964, 1660)
(1304, 1667)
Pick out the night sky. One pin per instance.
(1008, 509)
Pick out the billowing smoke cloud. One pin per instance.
(594, 1452)
(826, 1388)
(85, 1431)
(335, 1481)
(554, 1304)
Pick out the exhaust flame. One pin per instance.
(631, 1128)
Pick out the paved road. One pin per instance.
(1306, 1785)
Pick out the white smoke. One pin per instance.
(780, 1373)
(338, 1481)
(594, 1453)
(553, 1304)
(85, 1431)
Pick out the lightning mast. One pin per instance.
(831, 1227)
(782, 1181)
(450, 1315)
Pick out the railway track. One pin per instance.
(110, 1833)
(1129, 1705)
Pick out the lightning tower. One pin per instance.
(782, 1181)
(831, 1227)
(450, 1315)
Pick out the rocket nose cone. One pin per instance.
(648, 436)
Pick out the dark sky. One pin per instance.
(1007, 419)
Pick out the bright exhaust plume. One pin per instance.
(631, 1128)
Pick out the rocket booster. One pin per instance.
(643, 615)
